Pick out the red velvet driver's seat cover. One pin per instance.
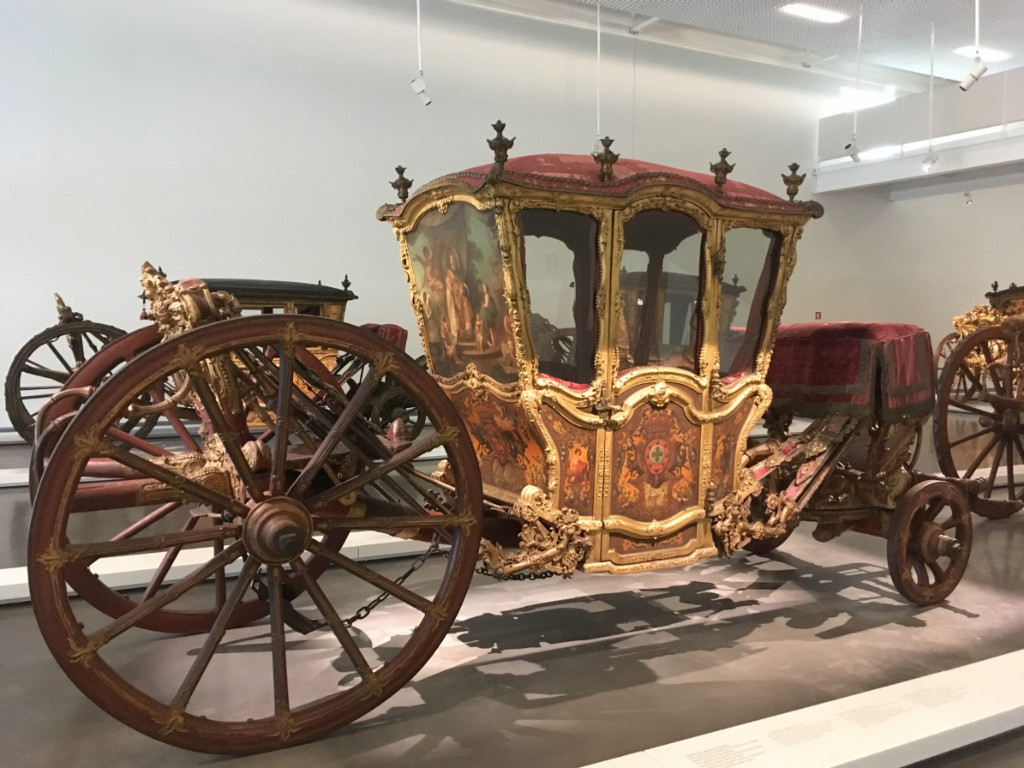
(856, 369)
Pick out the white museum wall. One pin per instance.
(256, 138)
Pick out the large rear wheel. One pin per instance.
(978, 415)
(235, 538)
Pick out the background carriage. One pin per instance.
(980, 402)
(599, 336)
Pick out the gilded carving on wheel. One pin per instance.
(655, 467)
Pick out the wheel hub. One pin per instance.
(277, 530)
(935, 544)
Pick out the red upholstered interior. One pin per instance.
(882, 369)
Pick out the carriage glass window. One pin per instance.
(561, 267)
(659, 281)
(751, 261)
(457, 280)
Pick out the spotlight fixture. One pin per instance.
(929, 162)
(968, 198)
(419, 87)
(980, 68)
(636, 29)
(853, 150)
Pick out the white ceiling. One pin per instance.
(896, 33)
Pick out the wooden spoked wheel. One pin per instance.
(978, 415)
(929, 541)
(43, 365)
(54, 415)
(234, 540)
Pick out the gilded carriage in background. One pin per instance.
(599, 334)
(979, 412)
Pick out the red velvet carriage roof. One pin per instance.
(580, 173)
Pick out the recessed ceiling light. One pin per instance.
(990, 55)
(814, 13)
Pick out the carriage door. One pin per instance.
(655, 509)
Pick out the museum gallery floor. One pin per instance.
(566, 672)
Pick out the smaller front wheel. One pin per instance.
(929, 542)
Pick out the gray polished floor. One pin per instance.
(561, 673)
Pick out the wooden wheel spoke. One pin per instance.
(174, 480)
(1020, 452)
(373, 578)
(996, 462)
(972, 436)
(938, 572)
(990, 361)
(341, 632)
(278, 656)
(134, 441)
(227, 433)
(334, 434)
(147, 520)
(917, 563)
(138, 545)
(157, 579)
(34, 369)
(968, 408)
(969, 472)
(279, 452)
(1010, 461)
(414, 451)
(179, 588)
(213, 639)
(60, 358)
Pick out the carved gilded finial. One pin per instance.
(401, 184)
(722, 168)
(606, 159)
(66, 314)
(793, 180)
(500, 145)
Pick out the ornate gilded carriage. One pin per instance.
(604, 327)
(600, 334)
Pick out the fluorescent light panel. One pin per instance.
(814, 13)
(990, 55)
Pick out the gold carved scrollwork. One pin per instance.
(730, 515)
(550, 539)
(182, 306)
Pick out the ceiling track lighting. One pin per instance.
(636, 29)
(931, 158)
(418, 84)
(419, 87)
(968, 198)
(979, 68)
(852, 149)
